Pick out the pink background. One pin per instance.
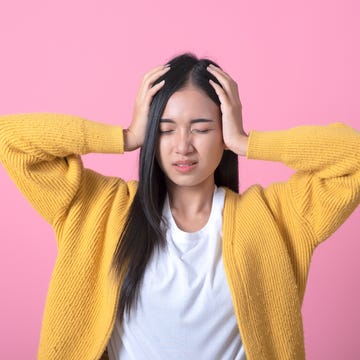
(295, 63)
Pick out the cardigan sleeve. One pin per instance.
(41, 153)
(325, 188)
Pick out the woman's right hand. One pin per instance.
(134, 135)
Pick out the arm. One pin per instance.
(325, 189)
(41, 154)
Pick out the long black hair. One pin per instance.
(143, 232)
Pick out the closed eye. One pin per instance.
(200, 131)
(165, 132)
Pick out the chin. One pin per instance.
(188, 183)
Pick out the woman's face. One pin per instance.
(190, 143)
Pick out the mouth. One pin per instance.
(184, 163)
(185, 166)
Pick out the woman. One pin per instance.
(179, 265)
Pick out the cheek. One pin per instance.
(217, 149)
(215, 144)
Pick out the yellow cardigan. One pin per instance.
(269, 234)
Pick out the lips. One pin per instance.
(185, 166)
(183, 163)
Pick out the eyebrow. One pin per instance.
(193, 121)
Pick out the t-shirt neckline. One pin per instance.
(185, 236)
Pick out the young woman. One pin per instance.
(179, 265)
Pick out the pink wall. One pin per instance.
(295, 63)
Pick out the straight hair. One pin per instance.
(143, 232)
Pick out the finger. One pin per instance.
(154, 89)
(154, 74)
(219, 73)
(147, 83)
(151, 92)
(219, 70)
(225, 80)
(155, 70)
(229, 85)
(220, 92)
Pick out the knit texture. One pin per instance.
(269, 234)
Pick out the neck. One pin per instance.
(191, 200)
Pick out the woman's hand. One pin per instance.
(135, 134)
(235, 138)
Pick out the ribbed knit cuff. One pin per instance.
(266, 145)
(103, 138)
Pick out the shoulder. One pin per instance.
(111, 187)
(99, 193)
(257, 200)
(234, 197)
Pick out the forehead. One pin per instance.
(189, 103)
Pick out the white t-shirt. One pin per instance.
(185, 309)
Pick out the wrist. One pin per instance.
(130, 140)
(239, 145)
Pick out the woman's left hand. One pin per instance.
(235, 138)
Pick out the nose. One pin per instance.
(184, 142)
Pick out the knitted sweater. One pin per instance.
(269, 234)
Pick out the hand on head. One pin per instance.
(234, 136)
(135, 134)
(233, 132)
